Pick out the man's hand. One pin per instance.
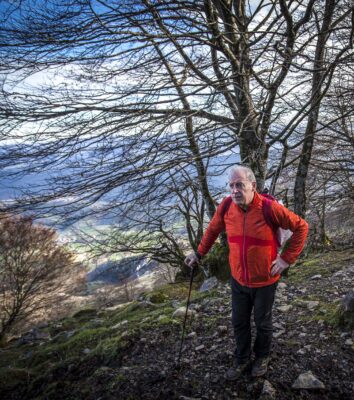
(278, 266)
(191, 260)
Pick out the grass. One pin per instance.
(62, 367)
(324, 264)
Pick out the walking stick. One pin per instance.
(185, 317)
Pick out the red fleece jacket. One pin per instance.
(252, 242)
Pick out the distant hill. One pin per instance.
(118, 271)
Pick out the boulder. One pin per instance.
(209, 284)
(181, 312)
(348, 301)
(307, 381)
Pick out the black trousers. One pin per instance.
(244, 300)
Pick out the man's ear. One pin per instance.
(254, 186)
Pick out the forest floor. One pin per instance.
(130, 352)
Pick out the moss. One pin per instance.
(71, 347)
(217, 261)
(112, 350)
(85, 314)
(10, 356)
(324, 264)
(177, 291)
(291, 343)
(157, 297)
(166, 320)
(12, 377)
(343, 319)
(102, 375)
(332, 314)
(302, 272)
(132, 313)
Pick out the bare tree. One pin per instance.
(143, 91)
(32, 266)
(323, 69)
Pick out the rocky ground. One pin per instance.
(131, 353)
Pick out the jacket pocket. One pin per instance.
(259, 259)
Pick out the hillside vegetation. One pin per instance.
(130, 351)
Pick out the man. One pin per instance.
(254, 262)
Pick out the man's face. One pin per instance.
(242, 190)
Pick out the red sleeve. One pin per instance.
(215, 227)
(286, 219)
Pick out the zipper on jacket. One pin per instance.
(244, 250)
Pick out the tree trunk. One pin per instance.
(316, 97)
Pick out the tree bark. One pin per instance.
(316, 96)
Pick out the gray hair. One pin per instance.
(249, 173)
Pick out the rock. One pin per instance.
(201, 347)
(147, 304)
(307, 381)
(175, 303)
(192, 335)
(268, 391)
(68, 334)
(281, 286)
(315, 277)
(33, 335)
(86, 351)
(222, 329)
(348, 342)
(209, 284)
(278, 325)
(281, 298)
(181, 312)
(120, 324)
(96, 322)
(348, 301)
(278, 333)
(310, 305)
(195, 307)
(285, 308)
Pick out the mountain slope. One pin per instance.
(129, 352)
